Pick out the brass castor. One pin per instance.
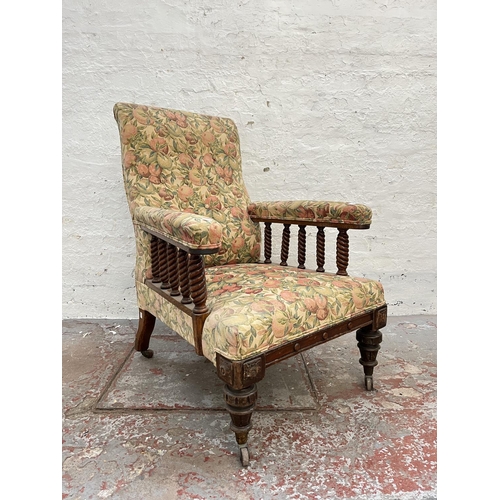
(369, 383)
(148, 353)
(244, 456)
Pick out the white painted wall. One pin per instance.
(333, 100)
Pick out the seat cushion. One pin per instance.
(257, 307)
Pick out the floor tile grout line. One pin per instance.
(311, 382)
(134, 411)
(106, 388)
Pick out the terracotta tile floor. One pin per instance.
(137, 428)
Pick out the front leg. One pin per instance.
(240, 394)
(240, 405)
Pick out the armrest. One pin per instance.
(327, 213)
(190, 231)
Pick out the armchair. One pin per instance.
(198, 267)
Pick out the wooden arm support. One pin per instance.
(342, 244)
(178, 272)
(179, 276)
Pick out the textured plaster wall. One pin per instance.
(333, 100)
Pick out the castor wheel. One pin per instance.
(148, 353)
(369, 383)
(244, 456)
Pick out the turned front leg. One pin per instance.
(240, 405)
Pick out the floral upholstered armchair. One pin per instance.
(198, 266)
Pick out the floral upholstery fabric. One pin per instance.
(194, 231)
(143, 269)
(191, 163)
(165, 311)
(312, 211)
(256, 307)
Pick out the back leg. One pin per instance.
(369, 344)
(144, 331)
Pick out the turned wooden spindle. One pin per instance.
(198, 284)
(320, 249)
(342, 252)
(184, 277)
(302, 247)
(173, 270)
(163, 263)
(268, 247)
(155, 262)
(285, 244)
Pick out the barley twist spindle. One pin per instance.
(320, 249)
(302, 247)
(268, 248)
(173, 271)
(155, 263)
(184, 277)
(163, 263)
(198, 283)
(285, 244)
(342, 252)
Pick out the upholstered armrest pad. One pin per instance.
(193, 231)
(334, 212)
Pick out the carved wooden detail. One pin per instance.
(380, 318)
(253, 370)
(240, 374)
(240, 405)
(225, 369)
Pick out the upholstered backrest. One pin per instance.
(189, 162)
